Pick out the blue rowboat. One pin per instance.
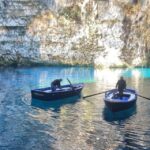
(65, 92)
(116, 103)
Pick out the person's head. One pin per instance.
(60, 80)
(121, 78)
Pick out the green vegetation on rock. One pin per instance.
(71, 13)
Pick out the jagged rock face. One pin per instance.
(85, 32)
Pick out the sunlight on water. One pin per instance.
(107, 75)
(73, 123)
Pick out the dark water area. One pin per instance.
(74, 123)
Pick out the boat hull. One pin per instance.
(65, 92)
(119, 104)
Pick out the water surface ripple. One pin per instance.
(73, 123)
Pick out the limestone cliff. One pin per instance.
(85, 32)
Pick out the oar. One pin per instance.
(143, 96)
(107, 91)
(70, 83)
(94, 94)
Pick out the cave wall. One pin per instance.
(102, 33)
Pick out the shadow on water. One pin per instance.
(55, 105)
(110, 116)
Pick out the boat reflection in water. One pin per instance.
(110, 116)
(54, 105)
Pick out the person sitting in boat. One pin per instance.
(121, 85)
(56, 84)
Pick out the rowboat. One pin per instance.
(117, 103)
(60, 93)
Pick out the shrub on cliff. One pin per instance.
(71, 13)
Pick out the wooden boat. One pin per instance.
(116, 103)
(65, 92)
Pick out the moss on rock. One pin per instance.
(71, 13)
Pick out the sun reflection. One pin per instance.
(136, 74)
(107, 75)
(79, 134)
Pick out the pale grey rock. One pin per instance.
(88, 32)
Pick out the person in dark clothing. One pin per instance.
(56, 84)
(121, 85)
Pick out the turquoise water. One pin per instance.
(73, 123)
